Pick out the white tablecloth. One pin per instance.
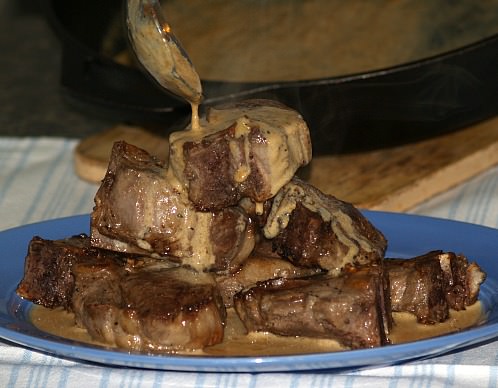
(37, 182)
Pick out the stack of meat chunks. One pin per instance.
(225, 223)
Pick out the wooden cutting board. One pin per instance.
(91, 155)
(393, 179)
(398, 178)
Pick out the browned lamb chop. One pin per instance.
(256, 269)
(248, 149)
(134, 303)
(145, 304)
(350, 308)
(429, 285)
(313, 229)
(463, 279)
(140, 208)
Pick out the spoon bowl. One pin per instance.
(160, 52)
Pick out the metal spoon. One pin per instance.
(160, 52)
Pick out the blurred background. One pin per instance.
(376, 74)
(31, 101)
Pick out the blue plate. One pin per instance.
(408, 235)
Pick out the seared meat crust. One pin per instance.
(430, 284)
(350, 308)
(256, 147)
(210, 171)
(140, 209)
(131, 302)
(418, 286)
(464, 280)
(311, 228)
(48, 278)
(152, 309)
(257, 269)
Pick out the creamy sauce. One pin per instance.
(285, 137)
(164, 208)
(237, 343)
(195, 123)
(406, 328)
(286, 147)
(202, 256)
(342, 225)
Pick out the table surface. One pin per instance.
(37, 182)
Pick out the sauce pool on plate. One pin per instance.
(237, 343)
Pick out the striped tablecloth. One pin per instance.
(37, 182)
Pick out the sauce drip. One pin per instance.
(196, 126)
(161, 53)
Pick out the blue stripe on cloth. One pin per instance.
(470, 202)
(19, 160)
(16, 369)
(158, 379)
(475, 206)
(104, 377)
(396, 373)
(493, 375)
(328, 380)
(32, 178)
(429, 374)
(34, 369)
(254, 380)
(63, 197)
(64, 375)
(450, 380)
(44, 184)
(200, 379)
(63, 201)
(416, 367)
(490, 218)
(294, 383)
(314, 380)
